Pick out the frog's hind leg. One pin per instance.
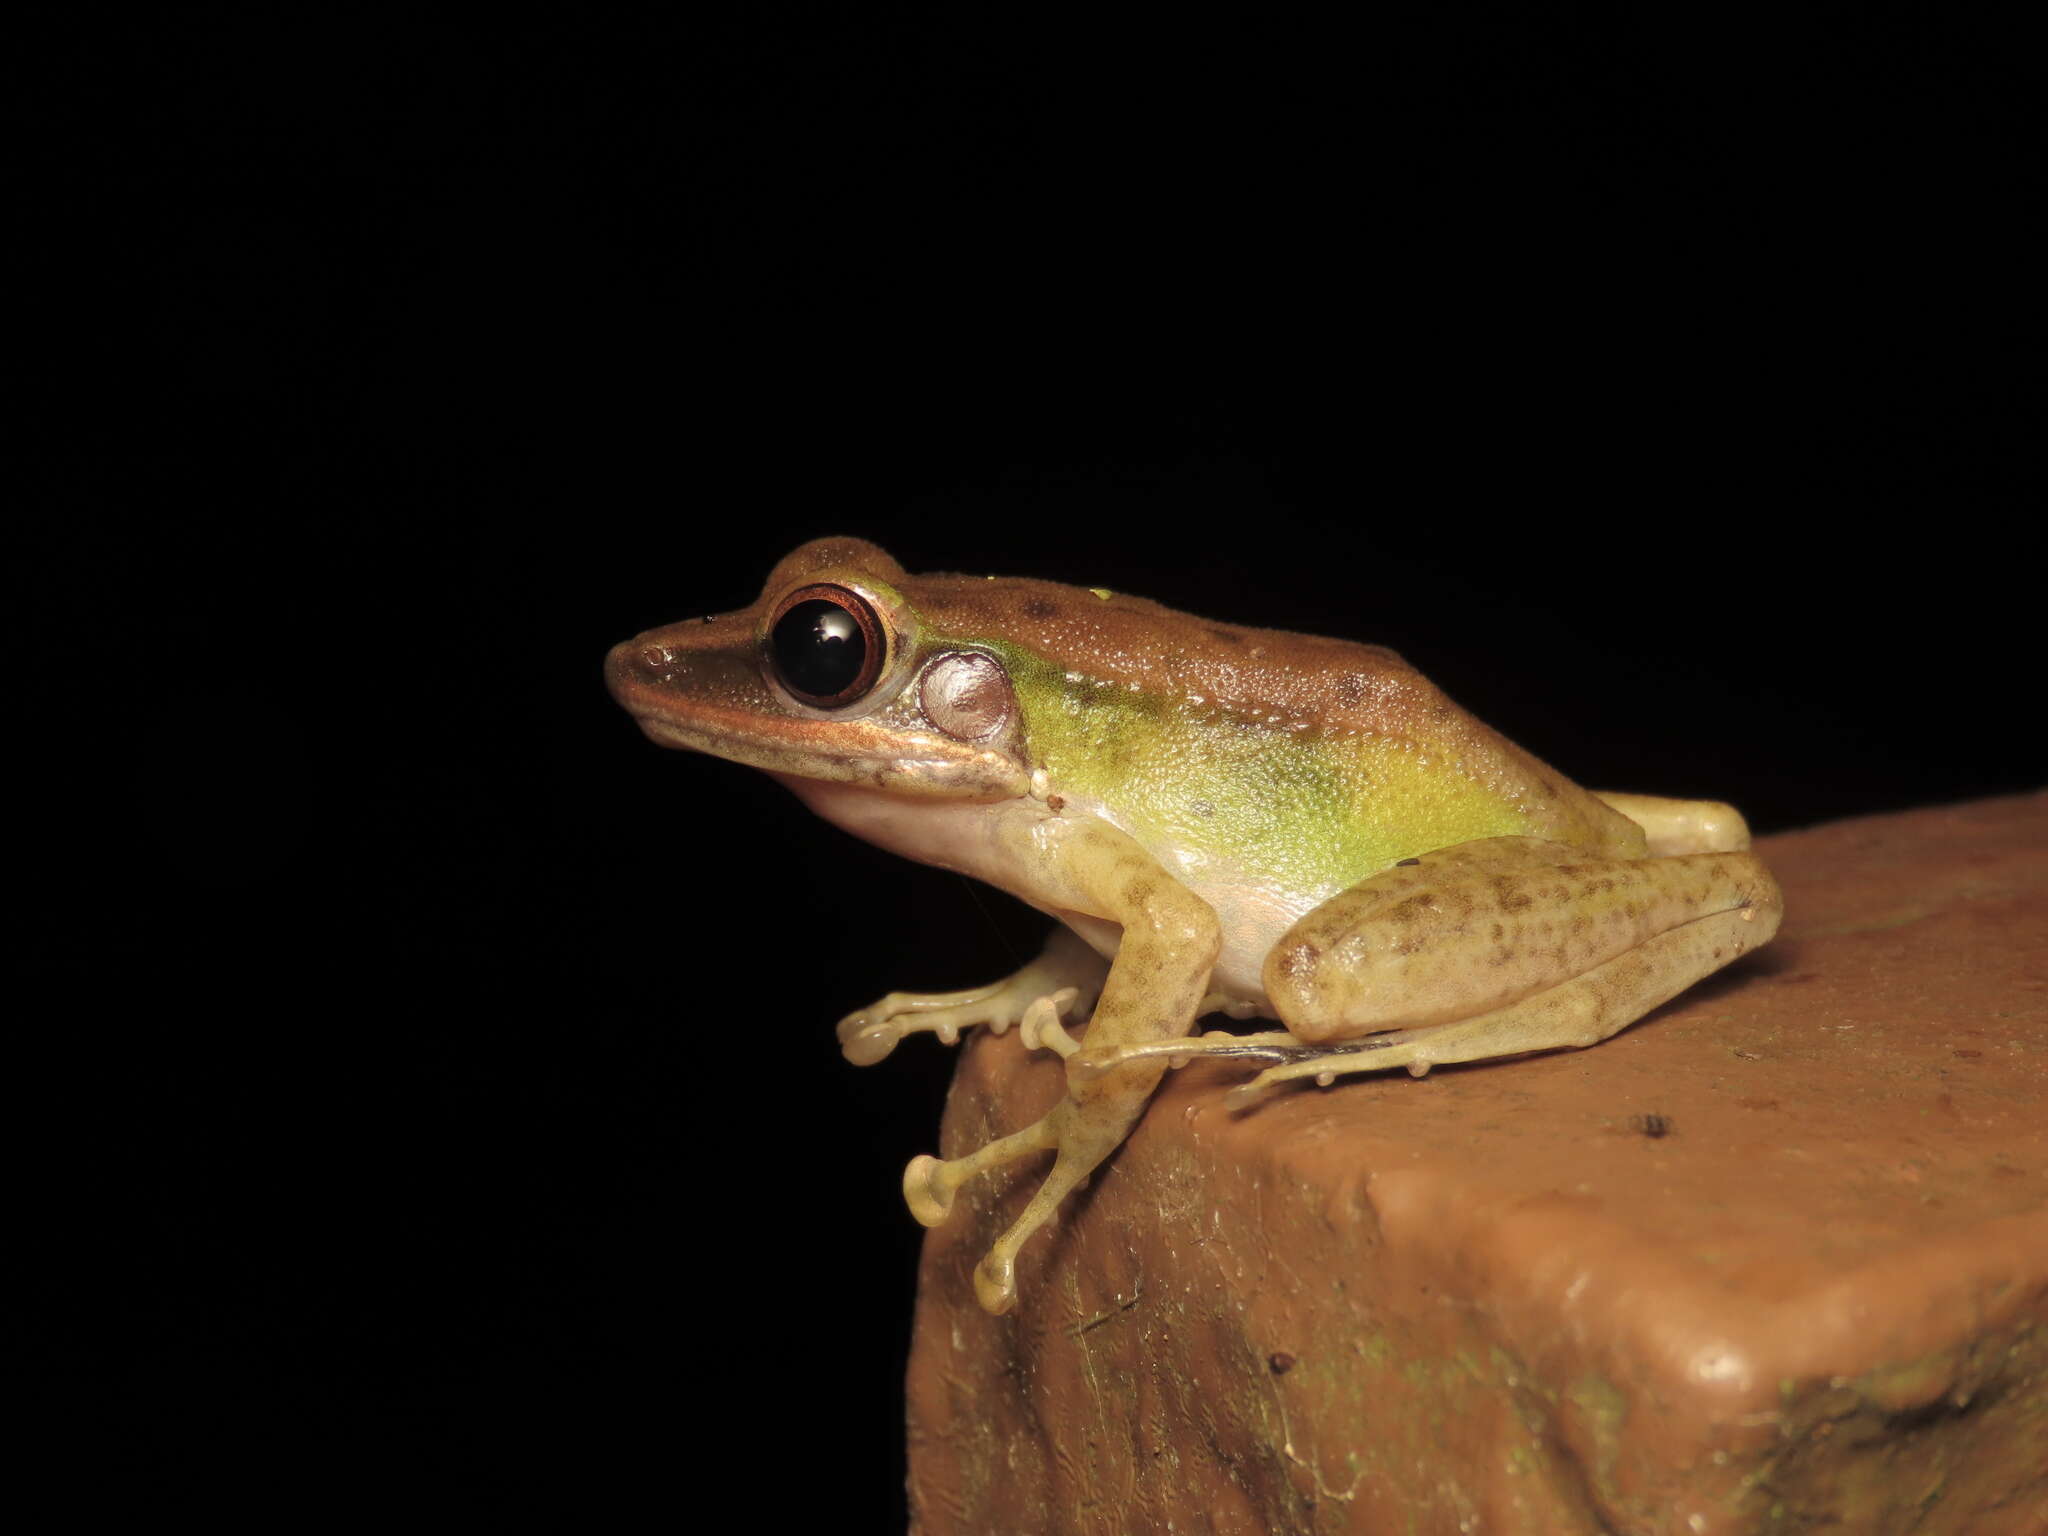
(1489, 948)
(1582, 1011)
(1067, 973)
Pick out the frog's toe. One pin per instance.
(868, 1034)
(1327, 1063)
(1248, 1095)
(1084, 1066)
(1066, 979)
(1041, 1028)
(1087, 1066)
(1217, 1044)
(865, 1040)
(927, 1190)
(929, 1183)
(1267, 1084)
(995, 1284)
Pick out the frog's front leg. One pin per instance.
(1490, 948)
(1156, 983)
(1067, 976)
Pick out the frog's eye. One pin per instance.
(826, 645)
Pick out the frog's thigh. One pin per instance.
(1482, 925)
(1578, 1012)
(1683, 826)
(1159, 976)
(1068, 973)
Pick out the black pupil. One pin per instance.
(820, 648)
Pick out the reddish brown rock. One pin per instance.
(1775, 1258)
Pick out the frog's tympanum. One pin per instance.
(1223, 820)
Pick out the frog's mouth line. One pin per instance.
(742, 737)
(828, 751)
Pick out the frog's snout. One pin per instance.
(634, 664)
(640, 674)
(651, 672)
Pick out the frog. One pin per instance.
(1222, 821)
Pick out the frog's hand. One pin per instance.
(1527, 957)
(1068, 975)
(1170, 939)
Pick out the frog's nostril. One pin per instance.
(636, 664)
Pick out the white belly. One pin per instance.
(961, 835)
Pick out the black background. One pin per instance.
(445, 1102)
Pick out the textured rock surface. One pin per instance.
(1491, 1300)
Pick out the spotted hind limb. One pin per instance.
(1067, 974)
(1491, 948)
(1580, 1012)
(1168, 944)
